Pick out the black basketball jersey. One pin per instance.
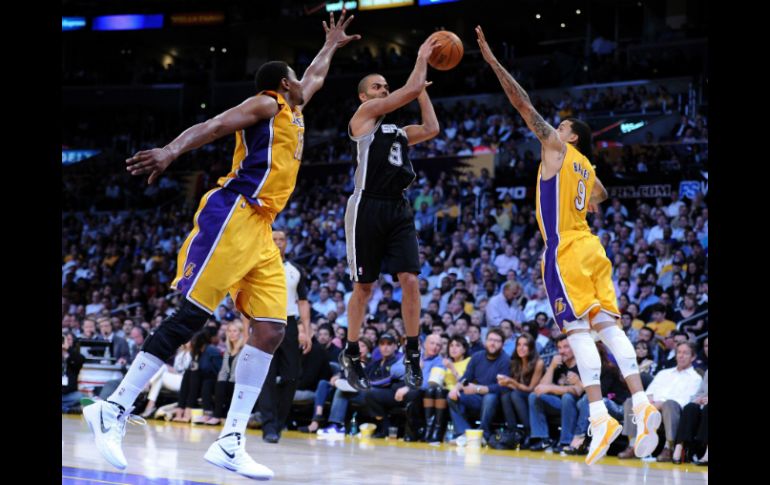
(383, 162)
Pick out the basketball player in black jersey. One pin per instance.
(379, 222)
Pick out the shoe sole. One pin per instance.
(214, 460)
(98, 440)
(647, 442)
(603, 449)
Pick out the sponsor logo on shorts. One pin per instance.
(560, 307)
(141, 366)
(188, 271)
(240, 395)
(360, 270)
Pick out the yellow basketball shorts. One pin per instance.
(578, 278)
(231, 249)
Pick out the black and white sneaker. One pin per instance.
(353, 371)
(413, 376)
(229, 452)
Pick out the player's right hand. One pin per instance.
(486, 52)
(426, 49)
(153, 161)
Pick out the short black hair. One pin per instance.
(461, 340)
(649, 329)
(585, 136)
(270, 74)
(327, 327)
(362, 82)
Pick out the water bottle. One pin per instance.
(450, 432)
(353, 425)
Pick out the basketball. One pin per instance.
(449, 53)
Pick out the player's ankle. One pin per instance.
(352, 349)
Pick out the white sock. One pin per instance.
(139, 374)
(639, 398)
(596, 409)
(250, 373)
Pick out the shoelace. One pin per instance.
(126, 417)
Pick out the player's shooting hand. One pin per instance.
(335, 32)
(426, 49)
(486, 52)
(153, 161)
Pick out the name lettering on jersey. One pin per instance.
(393, 129)
(579, 169)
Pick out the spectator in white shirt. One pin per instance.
(505, 305)
(538, 304)
(670, 391)
(325, 304)
(506, 262)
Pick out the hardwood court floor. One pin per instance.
(172, 454)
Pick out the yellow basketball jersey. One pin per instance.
(267, 157)
(562, 201)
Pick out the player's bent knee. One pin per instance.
(175, 330)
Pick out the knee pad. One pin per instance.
(621, 349)
(588, 361)
(175, 330)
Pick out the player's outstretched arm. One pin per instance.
(249, 112)
(374, 108)
(520, 100)
(429, 127)
(314, 75)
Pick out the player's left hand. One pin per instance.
(593, 207)
(305, 343)
(335, 33)
(400, 393)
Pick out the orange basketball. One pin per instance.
(449, 53)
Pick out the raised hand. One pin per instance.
(335, 32)
(486, 52)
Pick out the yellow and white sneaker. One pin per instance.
(647, 419)
(603, 430)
